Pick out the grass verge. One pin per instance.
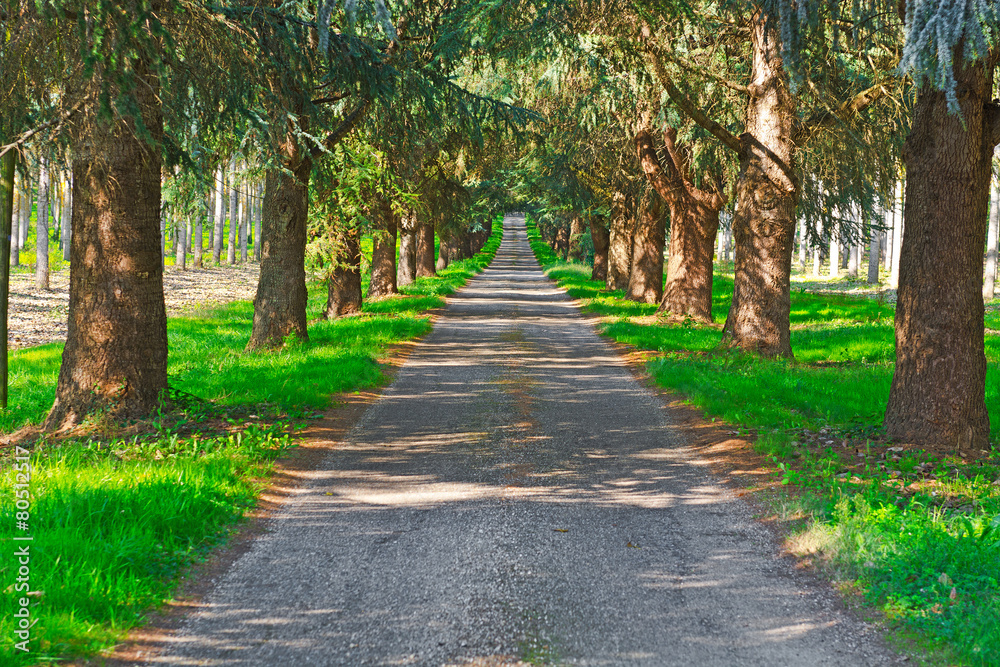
(913, 535)
(114, 521)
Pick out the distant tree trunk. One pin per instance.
(463, 244)
(25, 211)
(425, 250)
(694, 223)
(383, 280)
(115, 358)
(244, 222)
(257, 218)
(602, 239)
(66, 226)
(562, 242)
(764, 224)
(576, 232)
(180, 256)
(234, 214)
(199, 240)
(854, 260)
(6, 234)
(939, 386)
(15, 229)
(803, 245)
(280, 305)
(406, 272)
(874, 250)
(344, 285)
(620, 241)
(218, 230)
(42, 227)
(444, 255)
(897, 235)
(834, 268)
(645, 283)
(989, 286)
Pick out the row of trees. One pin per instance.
(796, 118)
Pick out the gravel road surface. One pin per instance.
(516, 497)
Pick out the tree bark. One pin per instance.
(115, 357)
(620, 241)
(989, 286)
(425, 250)
(383, 280)
(444, 255)
(764, 224)
(645, 283)
(602, 239)
(576, 231)
(42, 227)
(344, 285)
(406, 272)
(939, 386)
(280, 305)
(694, 223)
(562, 242)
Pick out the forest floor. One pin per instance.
(38, 316)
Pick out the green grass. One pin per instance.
(116, 521)
(904, 528)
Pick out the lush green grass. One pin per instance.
(116, 521)
(918, 536)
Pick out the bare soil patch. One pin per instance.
(39, 316)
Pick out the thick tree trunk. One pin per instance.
(425, 250)
(383, 281)
(645, 283)
(115, 357)
(344, 285)
(938, 389)
(42, 227)
(406, 272)
(620, 241)
(280, 305)
(602, 239)
(989, 286)
(764, 224)
(576, 231)
(694, 223)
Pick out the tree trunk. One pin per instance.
(576, 231)
(989, 286)
(220, 215)
(694, 223)
(180, 252)
(15, 229)
(199, 240)
(25, 211)
(234, 214)
(383, 281)
(602, 239)
(645, 284)
(244, 222)
(939, 387)
(834, 268)
(444, 255)
(66, 226)
(406, 272)
(258, 214)
(764, 224)
(280, 305)
(115, 357)
(344, 285)
(874, 250)
(42, 227)
(803, 245)
(897, 235)
(620, 241)
(425, 250)
(562, 242)
(6, 233)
